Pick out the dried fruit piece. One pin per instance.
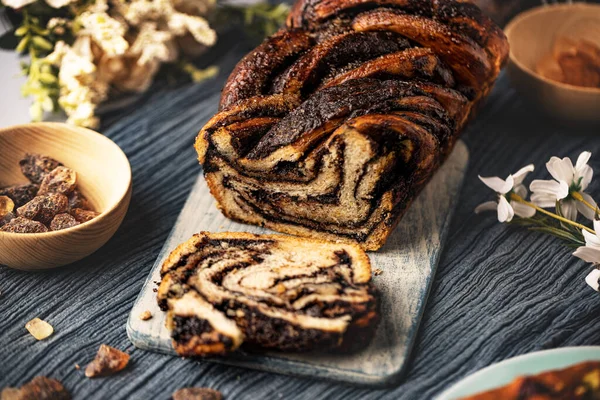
(6, 219)
(63, 221)
(146, 315)
(39, 329)
(44, 208)
(20, 194)
(83, 215)
(61, 180)
(23, 225)
(39, 388)
(107, 362)
(7, 206)
(78, 200)
(197, 394)
(36, 166)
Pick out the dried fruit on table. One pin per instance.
(23, 225)
(44, 208)
(63, 221)
(107, 362)
(20, 194)
(197, 394)
(61, 180)
(39, 388)
(78, 200)
(84, 215)
(36, 166)
(39, 329)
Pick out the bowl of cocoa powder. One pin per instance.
(555, 59)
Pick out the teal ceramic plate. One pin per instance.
(504, 372)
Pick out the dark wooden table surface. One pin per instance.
(499, 291)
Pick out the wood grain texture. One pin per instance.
(103, 177)
(408, 261)
(532, 35)
(499, 291)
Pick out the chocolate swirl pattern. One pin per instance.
(268, 291)
(331, 127)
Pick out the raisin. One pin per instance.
(78, 200)
(40, 388)
(61, 180)
(6, 219)
(36, 166)
(20, 194)
(24, 225)
(44, 208)
(83, 215)
(197, 394)
(7, 206)
(63, 221)
(108, 361)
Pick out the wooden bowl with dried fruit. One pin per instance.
(555, 59)
(64, 191)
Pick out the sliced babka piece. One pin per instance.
(222, 290)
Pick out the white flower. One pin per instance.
(16, 4)
(513, 184)
(180, 24)
(106, 31)
(591, 251)
(593, 279)
(567, 179)
(152, 45)
(58, 3)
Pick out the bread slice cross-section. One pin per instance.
(225, 290)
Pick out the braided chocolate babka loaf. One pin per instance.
(332, 126)
(268, 291)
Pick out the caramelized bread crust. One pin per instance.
(332, 126)
(267, 291)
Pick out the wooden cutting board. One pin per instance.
(408, 261)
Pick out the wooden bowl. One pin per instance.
(103, 176)
(531, 35)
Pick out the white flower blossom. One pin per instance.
(16, 4)
(567, 179)
(593, 279)
(106, 31)
(505, 207)
(591, 251)
(153, 45)
(198, 27)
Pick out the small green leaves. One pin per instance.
(23, 44)
(42, 43)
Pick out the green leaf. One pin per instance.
(42, 43)
(22, 30)
(47, 78)
(22, 46)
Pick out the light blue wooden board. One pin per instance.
(408, 261)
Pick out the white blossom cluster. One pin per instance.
(565, 192)
(121, 44)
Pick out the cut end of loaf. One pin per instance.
(222, 290)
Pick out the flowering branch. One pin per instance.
(565, 192)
